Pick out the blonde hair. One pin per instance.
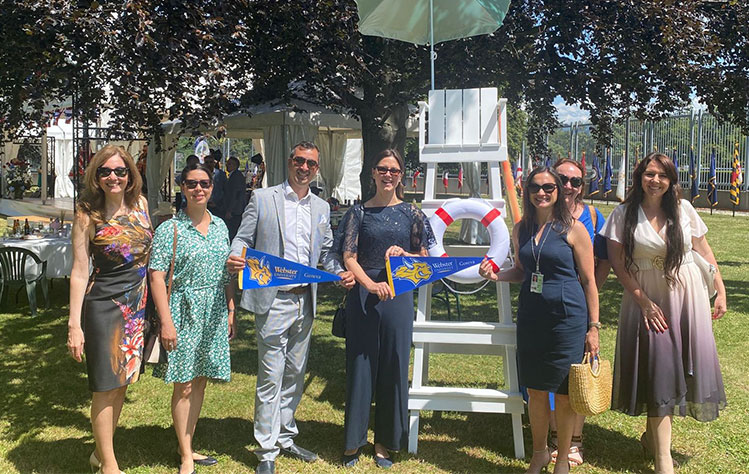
(92, 197)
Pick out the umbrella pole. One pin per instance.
(431, 39)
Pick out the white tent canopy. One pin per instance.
(278, 126)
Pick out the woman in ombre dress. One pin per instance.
(666, 360)
(107, 307)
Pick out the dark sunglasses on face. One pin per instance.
(103, 171)
(193, 183)
(574, 181)
(383, 170)
(299, 161)
(548, 188)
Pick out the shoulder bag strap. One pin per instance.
(593, 217)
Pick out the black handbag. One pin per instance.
(339, 319)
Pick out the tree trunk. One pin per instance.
(378, 134)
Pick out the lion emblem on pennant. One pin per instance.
(259, 271)
(414, 272)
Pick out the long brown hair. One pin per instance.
(578, 165)
(92, 197)
(392, 153)
(670, 204)
(560, 214)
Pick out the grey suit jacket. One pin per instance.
(262, 228)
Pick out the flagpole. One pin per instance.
(431, 38)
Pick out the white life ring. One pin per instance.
(490, 217)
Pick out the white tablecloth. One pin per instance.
(57, 251)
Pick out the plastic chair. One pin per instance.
(13, 272)
(441, 292)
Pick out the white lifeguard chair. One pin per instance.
(468, 125)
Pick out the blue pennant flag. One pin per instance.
(712, 190)
(607, 172)
(262, 270)
(694, 175)
(593, 189)
(408, 273)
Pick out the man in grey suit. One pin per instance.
(288, 221)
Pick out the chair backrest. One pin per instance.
(464, 125)
(13, 263)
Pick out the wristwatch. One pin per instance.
(596, 325)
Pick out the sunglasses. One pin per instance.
(300, 161)
(548, 188)
(575, 181)
(103, 171)
(383, 170)
(193, 183)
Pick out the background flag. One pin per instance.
(694, 175)
(582, 162)
(263, 270)
(736, 176)
(519, 174)
(712, 190)
(413, 180)
(548, 161)
(621, 178)
(460, 178)
(445, 175)
(593, 187)
(675, 159)
(408, 273)
(607, 173)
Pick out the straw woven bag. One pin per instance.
(590, 386)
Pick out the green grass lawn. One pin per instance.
(44, 399)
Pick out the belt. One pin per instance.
(297, 290)
(658, 261)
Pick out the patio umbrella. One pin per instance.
(430, 21)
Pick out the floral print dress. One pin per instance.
(198, 300)
(115, 301)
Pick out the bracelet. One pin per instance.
(231, 311)
(596, 325)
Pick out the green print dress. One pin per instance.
(115, 301)
(198, 301)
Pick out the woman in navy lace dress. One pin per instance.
(378, 325)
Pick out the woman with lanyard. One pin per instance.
(572, 174)
(557, 310)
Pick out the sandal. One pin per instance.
(553, 448)
(543, 465)
(575, 457)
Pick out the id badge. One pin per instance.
(537, 282)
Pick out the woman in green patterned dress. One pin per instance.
(197, 322)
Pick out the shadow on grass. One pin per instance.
(738, 293)
(226, 436)
(42, 385)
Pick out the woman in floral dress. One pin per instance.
(197, 322)
(107, 307)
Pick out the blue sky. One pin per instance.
(567, 113)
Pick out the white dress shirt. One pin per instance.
(297, 228)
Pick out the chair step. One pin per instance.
(482, 400)
(464, 332)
